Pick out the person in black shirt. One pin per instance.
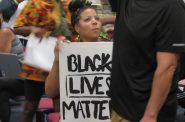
(148, 39)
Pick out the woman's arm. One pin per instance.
(52, 81)
(26, 30)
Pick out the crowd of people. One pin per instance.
(148, 47)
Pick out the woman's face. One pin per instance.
(89, 25)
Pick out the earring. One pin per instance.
(78, 37)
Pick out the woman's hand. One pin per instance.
(59, 42)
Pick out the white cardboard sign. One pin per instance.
(84, 81)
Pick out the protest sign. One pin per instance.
(84, 81)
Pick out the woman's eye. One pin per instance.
(87, 19)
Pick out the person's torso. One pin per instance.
(134, 54)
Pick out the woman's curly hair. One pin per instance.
(76, 7)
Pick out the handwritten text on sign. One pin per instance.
(84, 81)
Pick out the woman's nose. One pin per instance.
(94, 21)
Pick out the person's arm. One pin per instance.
(19, 1)
(52, 81)
(162, 80)
(26, 30)
(107, 19)
(6, 39)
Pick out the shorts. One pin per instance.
(15, 87)
(33, 90)
(117, 118)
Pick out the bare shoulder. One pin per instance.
(8, 33)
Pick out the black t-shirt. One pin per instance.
(113, 5)
(142, 28)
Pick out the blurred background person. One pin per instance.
(43, 18)
(9, 43)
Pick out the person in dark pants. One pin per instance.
(9, 88)
(148, 39)
(48, 22)
(9, 43)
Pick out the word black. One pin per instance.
(97, 63)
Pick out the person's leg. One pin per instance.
(9, 88)
(33, 93)
(29, 111)
(4, 106)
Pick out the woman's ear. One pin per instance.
(77, 28)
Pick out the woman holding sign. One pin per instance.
(87, 25)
